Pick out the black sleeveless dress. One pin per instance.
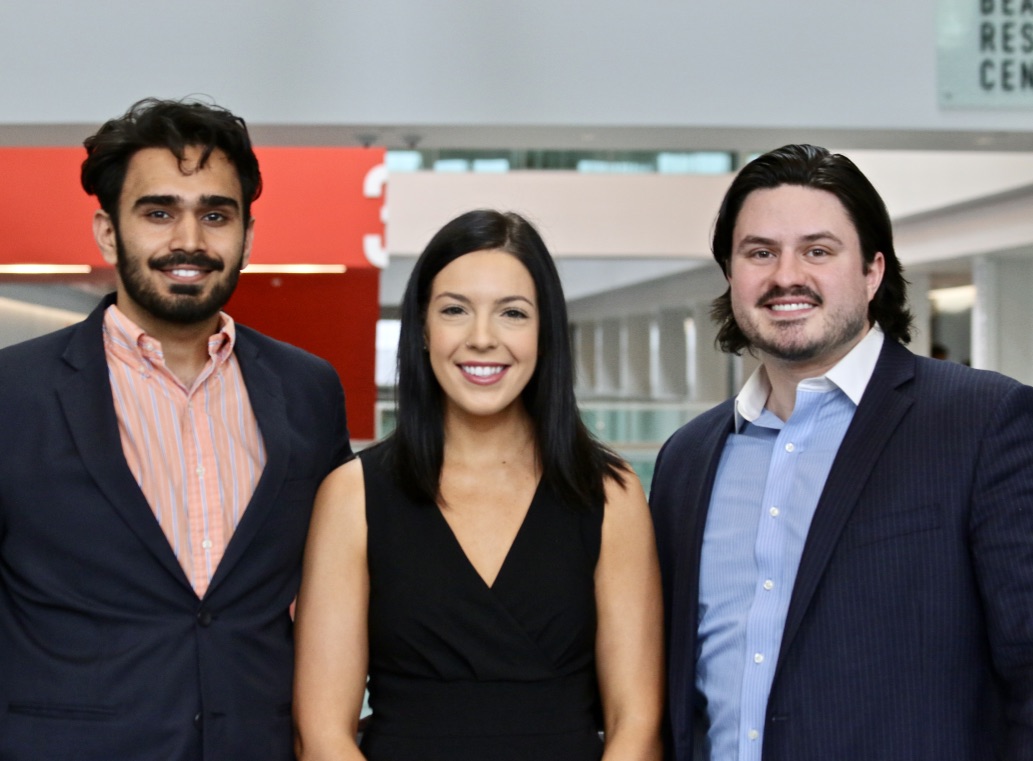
(460, 671)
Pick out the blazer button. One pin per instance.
(197, 720)
(204, 617)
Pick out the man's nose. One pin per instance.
(188, 234)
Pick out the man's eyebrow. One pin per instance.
(822, 235)
(156, 200)
(206, 201)
(756, 240)
(213, 200)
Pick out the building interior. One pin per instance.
(614, 127)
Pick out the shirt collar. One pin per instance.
(850, 375)
(131, 336)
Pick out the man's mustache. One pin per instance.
(180, 258)
(778, 292)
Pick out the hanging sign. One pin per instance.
(985, 53)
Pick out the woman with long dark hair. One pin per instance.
(490, 565)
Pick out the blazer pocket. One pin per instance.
(892, 525)
(63, 711)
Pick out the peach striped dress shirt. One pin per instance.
(196, 453)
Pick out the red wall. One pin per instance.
(313, 210)
(334, 316)
(46, 217)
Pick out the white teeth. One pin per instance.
(789, 307)
(482, 371)
(183, 273)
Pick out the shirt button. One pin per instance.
(773, 512)
(758, 657)
(200, 470)
(753, 734)
(769, 585)
(790, 447)
(207, 544)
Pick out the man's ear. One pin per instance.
(874, 271)
(104, 234)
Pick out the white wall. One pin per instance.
(809, 68)
(983, 198)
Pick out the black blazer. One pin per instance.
(106, 652)
(909, 635)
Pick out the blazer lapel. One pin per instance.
(881, 409)
(265, 392)
(695, 488)
(86, 399)
(696, 491)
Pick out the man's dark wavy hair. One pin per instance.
(175, 125)
(573, 462)
(813, 167)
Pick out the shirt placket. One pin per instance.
(204, 510)
(774, 583)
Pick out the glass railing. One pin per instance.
(609, 162)
(636, 430)
(638, 422)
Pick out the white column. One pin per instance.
(608, 357)
(1002, 320)
(673, 341)
(583, 340)
(984, 313)
(710, 364)
(636, 358)
(921, 310)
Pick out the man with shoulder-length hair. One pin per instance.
(846, 546)
(158, 464)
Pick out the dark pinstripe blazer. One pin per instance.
(106, 653)
(909, 635)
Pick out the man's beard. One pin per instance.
(842, 328)
(185, 305)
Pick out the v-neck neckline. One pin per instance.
(509, 551)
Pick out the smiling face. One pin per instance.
(481, 330)
(799, 285)
(180, 240)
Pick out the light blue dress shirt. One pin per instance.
(767, 486)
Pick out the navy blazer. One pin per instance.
(106, 652)
(909, 635)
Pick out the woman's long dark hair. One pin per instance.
(573, 463)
